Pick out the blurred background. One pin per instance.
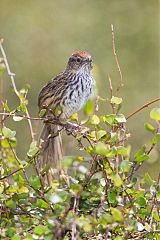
(39, 36)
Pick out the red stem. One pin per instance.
(144, 106)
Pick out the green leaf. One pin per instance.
(35, 182)
(108, 119)
(142, 158)
(40, 230)
(105, 219)
(140, 152)
(120, 118)
(149, 127)
(33, 149)
(149, 179)
(11, 204)
(23, 107)
(125, 166)
(117, 180)
(19, 179)
(156, 138)
(100, 134)
(63, 195)
(117, 215)
(112, 196)
(27, 87)
(10, 231)
(5, 106)
(22, 195)
(116, 100)
(114, 137)
(122, 151)
(155, 114)
(140, 202)
(42, 112)
(112, 152)
(141, 155)
(16, 237)
(8, 133)
(74, 117)
(101, 148)
(42, 204)
(89, 107)
(94, 120)
(17, 118)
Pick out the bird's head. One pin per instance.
(80, 61)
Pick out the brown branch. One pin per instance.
(11, 75)
(9, 175)
(144, 106)
(116, 59)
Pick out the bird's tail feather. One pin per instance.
(51, 153)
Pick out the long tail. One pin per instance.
(51, 153)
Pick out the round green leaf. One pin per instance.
(116, 100)
(117, 180)
(35, 182)
(141, 202)
(33, 149)
(117, 215)
(156, 138)
(8, 133)
(94, 120)
(125, 166)
(11, 204)
(101, 148)
(120, 118)
(155, 114)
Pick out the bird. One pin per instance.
(65, 94)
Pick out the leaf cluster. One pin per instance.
(99, 196)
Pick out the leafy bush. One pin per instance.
(101, 197)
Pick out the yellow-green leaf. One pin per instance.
(94, 120)
(117, 215)
(117, 180)
(89, 107)
(8, 133)
(116, 100)
(155, 114)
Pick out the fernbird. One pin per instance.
(68, 92)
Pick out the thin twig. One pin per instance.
(11, 75)
(11, 114)
(116, 59)
(154, 200)
(111, 93)
(142, 107)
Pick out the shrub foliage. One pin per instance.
(99, 195)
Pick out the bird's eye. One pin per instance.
(78, 60)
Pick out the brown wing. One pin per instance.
(50, 94)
